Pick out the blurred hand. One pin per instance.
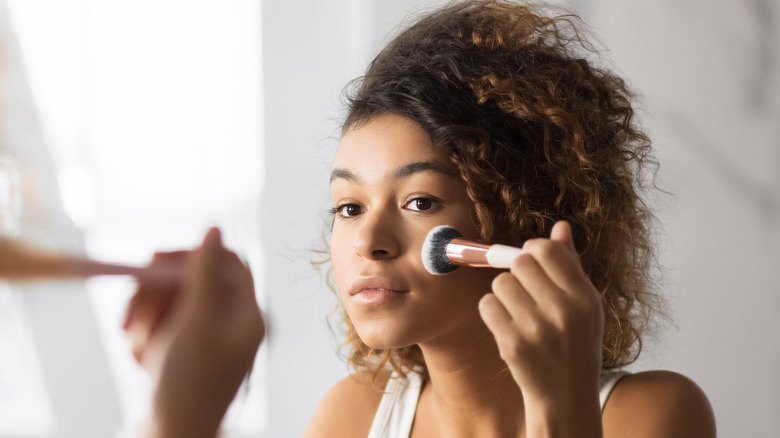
(197, 337)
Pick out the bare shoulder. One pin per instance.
(348, 408)
(658, 404)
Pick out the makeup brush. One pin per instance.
(19, 262)
(444, 250)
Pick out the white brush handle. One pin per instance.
(501, 256)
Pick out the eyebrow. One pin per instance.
(399, 173)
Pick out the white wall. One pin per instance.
(307, 57)
(710, 74)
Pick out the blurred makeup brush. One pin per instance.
(443, 251)
(20, 262)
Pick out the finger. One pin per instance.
(224, 267)
(559, 262)
(535, 281)
(153, 298)
(166, 262)
(150, 291)
(561, 232)
(513, 295)
(138, 341)
(146, 313)
(206, 273)
(495, 316)
(170, 256)
(148, 306)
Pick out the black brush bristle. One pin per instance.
(434, 250)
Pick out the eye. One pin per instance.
(347, 210)
(421, 204)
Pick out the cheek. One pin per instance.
(469, 284)
(461, 289)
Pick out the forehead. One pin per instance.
(387, 141)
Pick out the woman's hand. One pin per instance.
(198, 337)
(548, 321)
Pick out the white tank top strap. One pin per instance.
(395, 414)
(607, 382)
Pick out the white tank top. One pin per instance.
(395, 414)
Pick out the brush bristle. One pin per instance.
(434, 250)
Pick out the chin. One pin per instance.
(382, 338)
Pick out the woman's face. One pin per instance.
(390, 187)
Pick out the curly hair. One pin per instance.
(540, 132)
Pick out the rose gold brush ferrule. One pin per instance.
(467, 253)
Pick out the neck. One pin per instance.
(470, 388)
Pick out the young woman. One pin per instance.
(498, 120)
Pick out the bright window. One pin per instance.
(152, 112)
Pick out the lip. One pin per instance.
(375, 290)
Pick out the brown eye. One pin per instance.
(420, 204)
(348, 210)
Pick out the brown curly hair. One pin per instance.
(540, 133)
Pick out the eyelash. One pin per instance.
(337, 211)
(434, 203)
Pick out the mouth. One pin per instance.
(375, 290)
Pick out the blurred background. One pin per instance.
(129, 127)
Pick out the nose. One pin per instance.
(377, 236)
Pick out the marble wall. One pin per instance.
(709, 75)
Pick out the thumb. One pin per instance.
(213, 239)
(561, 232)
(203, 275)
